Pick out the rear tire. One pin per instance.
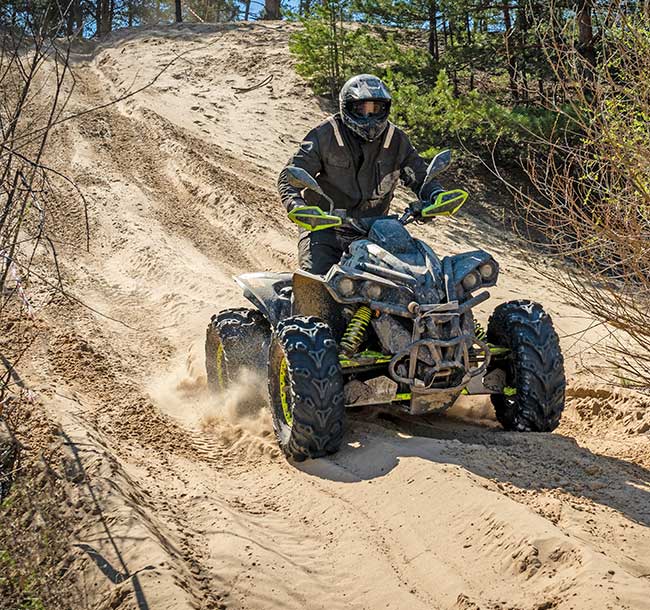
(535, 367)
(306, 388)
(236, 339)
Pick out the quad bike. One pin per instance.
(391, 324)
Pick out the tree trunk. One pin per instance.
(271, 9)
(524, 78)
(179, 11)
(78, 18)
(69, 22)
(247, 9)
(342, 49)
(104, 25)
(512, 71)
(468, 26)
(523, 26)
(586, 31)
(434, 51)
(454, 72)
(98, 18)
(106, 17)
(334, 52)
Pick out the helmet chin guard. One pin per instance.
(364, 87)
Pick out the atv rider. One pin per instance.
(356, 156)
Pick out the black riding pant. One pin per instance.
(319, 250)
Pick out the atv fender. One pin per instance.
(463, 264)
(269, 292)
(312, 298)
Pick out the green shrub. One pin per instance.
(424, 102)
(18, 588)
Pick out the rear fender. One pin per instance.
(269, 292)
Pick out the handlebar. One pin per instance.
(314, 218)
(408, 216)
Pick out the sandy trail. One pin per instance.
(194, 507)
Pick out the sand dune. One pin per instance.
(195, 507)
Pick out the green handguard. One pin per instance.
(446, 203)
(312, 218)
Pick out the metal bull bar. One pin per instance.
(446, 355)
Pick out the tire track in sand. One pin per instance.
(402, 517)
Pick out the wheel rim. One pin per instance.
(220, 367)
(284, 388)
(510, 389)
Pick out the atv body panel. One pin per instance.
(269, 292)
(425, 351)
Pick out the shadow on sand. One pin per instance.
(533, 461)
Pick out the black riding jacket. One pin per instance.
(359, 176)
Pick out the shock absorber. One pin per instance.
(356, 330)
(479, 331)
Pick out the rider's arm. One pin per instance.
(413, 170)
(308, 157)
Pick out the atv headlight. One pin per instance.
(471, 281)
(487, 271)
(372, 290)
(346, 286)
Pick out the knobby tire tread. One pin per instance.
(244, 333)
(316, 386)
(537, 367)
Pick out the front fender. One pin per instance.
(312, 298)
(463, 264)
(269, 292)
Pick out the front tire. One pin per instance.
(534, 368)
(306, 388)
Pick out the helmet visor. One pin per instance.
(368, 108)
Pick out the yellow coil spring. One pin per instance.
(479, 331)
(355, 333)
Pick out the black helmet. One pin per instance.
(367, 120)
